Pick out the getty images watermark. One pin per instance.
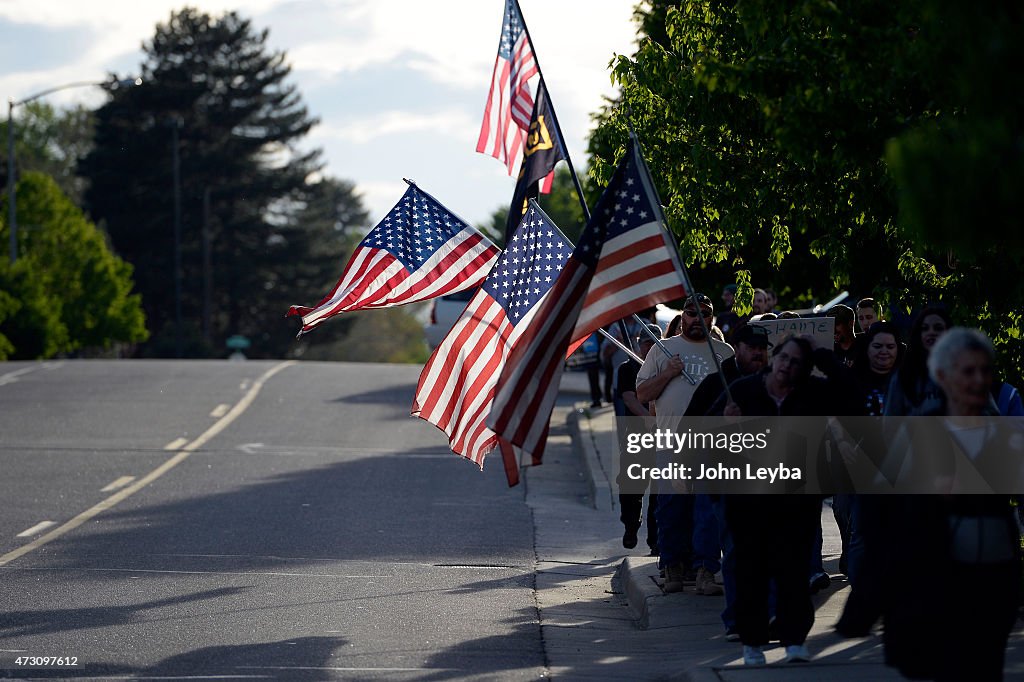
(667, 440)
(821, 455)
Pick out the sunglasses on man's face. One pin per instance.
(693, 313)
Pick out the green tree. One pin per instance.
(561, 205)
(67, 292)
(52, 141)
(213, 83)
(959, 171)
(779, 131)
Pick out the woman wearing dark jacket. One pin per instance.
(954, 623)
(862, 518)
(774, 533)
(912, 391)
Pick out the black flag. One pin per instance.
(542, 151)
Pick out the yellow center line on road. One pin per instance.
(174, 461)
(119, 483)
(38, 528)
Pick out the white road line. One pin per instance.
(220, 410)
(176, 443)
(174, 461)
(12, 377)
(36, 529)
(119, 483)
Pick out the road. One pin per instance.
(252, 519)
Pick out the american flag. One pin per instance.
(419, 251)
(624, 262)
(456, 386)
(509, 102)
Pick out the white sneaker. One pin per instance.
(796, 653)
(752, 655)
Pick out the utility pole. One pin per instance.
(179, 340)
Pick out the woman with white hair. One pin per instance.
(954, 623)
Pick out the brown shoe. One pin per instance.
(706, 584)
(674, 575)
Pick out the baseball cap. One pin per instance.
(752, 335)
(699, 299)
(655, 329)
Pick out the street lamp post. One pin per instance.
(12, 198)
(179, 343)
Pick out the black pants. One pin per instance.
(631, 514)
(773, 536)
(594, 379)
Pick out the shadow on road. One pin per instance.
(46, 621)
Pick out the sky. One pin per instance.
(399, 86)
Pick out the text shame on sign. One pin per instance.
(821, 328)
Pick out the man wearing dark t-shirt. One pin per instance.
(627, 405)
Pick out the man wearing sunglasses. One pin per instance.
(661, 381)
(661, 378)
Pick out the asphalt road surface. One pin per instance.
(251, 520)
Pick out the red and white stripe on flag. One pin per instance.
(418, 252)
(456, 387)
(623, 263)
(509, 101)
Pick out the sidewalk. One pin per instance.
(652, 635)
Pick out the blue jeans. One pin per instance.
(674, 516)
(707, 545)
(728, 564)
(816, 564)
(853, 540)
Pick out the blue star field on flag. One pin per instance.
(626, 208)
(511, 29)
(414, 229)
(529, 265)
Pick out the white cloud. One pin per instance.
(451, 43)
(453, 122)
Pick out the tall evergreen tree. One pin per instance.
(213, 85)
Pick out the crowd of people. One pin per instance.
(767, 549)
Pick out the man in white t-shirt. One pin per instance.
(661, 380)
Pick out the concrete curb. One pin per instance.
(601, 494)
(638, 579)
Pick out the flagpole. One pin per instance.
(558, 127)
(687, 283)
(579, 192)
(583, 204)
